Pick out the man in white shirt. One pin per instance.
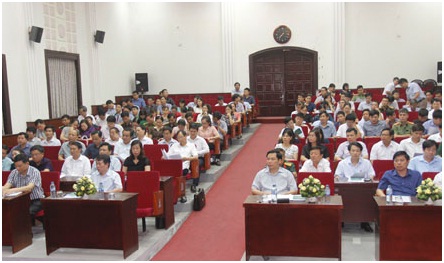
(342, 152)
(386, 148)
(437, 137)
(200, 143)
(122, 149)
(350, 122)
(106, 149)
(436, 105)
(354, 164)
(367, 104)
(76, 164)
(110, 123)
(389, 88)
(316, 163)
(114, 137)
(413, 145)
(50, 140)
(110, 179)
(321, 96)
(237, 89)
(141, 136)
(83, 112)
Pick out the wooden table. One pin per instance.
(357, 198)
(293, 229)
(92, 223)
(16, 222)
(167, 219)
(411, 231)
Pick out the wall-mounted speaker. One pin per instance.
(35, 34)
(99, 36)
(439, 72)
(142, 82)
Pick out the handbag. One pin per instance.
(199, 200)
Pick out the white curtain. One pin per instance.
(63, 87)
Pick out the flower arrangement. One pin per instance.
(83, 186)
(427, 190)
(311, 187)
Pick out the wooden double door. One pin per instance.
(278, 75)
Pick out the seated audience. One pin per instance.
(83, 112)
(291, 150)
(76, 164)
(365, 117)
(316, 163)
(413, 145)
(289, 124)
(106, 149)
(386, 148)
(136, 161)
(122, 148)
(436, 105)
(114, 136)
(350, 122)
(65, 149)
(221, 126)
(126, 120)
(141, 136)
(431, 126)
(342, 152)
(188, 152)
(367, 103)
(322, 95)
(422, 116)
(328, 128)
(198, 107)
(354, 165)
(314, 138)
(39, 160)
(374, 126)
(6, 161)
(66, 121)
(237, 89)
(22, 144)
(40, 129)
(25, 178)
(274, 174)
(360, 96)
(139, 102)
(157, 130)
(427, 162)
(403, 128)
(110, 123)
(32, 139)
(93, 148)
(210, 134)
(200, 143)
(437, 137)
(310, 105)
(168, 99)
(390, 119)
(220, 101)
(85, 130)
(51, 139)
(167, 137)
(74, 125)
(206, 110)
(403, 181)
(249, 98)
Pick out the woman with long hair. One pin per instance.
(137, 160)
(315, 138)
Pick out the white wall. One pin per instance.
(205, 47)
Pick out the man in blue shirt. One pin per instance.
(22, 144)
(403, 181)
(427, 162)
(413, 92)
(327, 127)
(138, 101)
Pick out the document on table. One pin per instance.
(71, 195)
(171, 156)
(401, 199)
(13, 194)
(296, 198)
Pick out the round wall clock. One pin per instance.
(282, 34)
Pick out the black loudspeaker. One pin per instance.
(439, 77)
(99, 36)
(36, 34)
(142, 82)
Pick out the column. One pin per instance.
(227, 20)
(339, 44)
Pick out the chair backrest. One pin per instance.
(399, 139)
(167, 167)
(123, 179)
(145, 184)
(430, 175)
(47, 178)
(325, 178)
(5, 175)
(332, 141)
(52, 152)
(370, 141)
(58, 133)
(305, 131)
(331, 150)
(154, 151)
(381, 166)
(413, 116)
(57, 165)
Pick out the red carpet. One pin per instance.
(218, 232)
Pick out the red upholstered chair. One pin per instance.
(154, 151)
(47, 178)
(331, 150)
(333, 165)
(332, 140)
(150, 198)
(58, 132)
(381, 166)
(305, 131)
(123, 179)
(413, 116)
(171, 168)
(430, 175)
(401, 104)
(52, 152)
(5, 175)
(399, 139)
(86, 142)
(325, 178)
(57, 165)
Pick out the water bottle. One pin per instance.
(274, 193)
(52, 190)
(327, 193)
(101, 187)
(388, 194)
